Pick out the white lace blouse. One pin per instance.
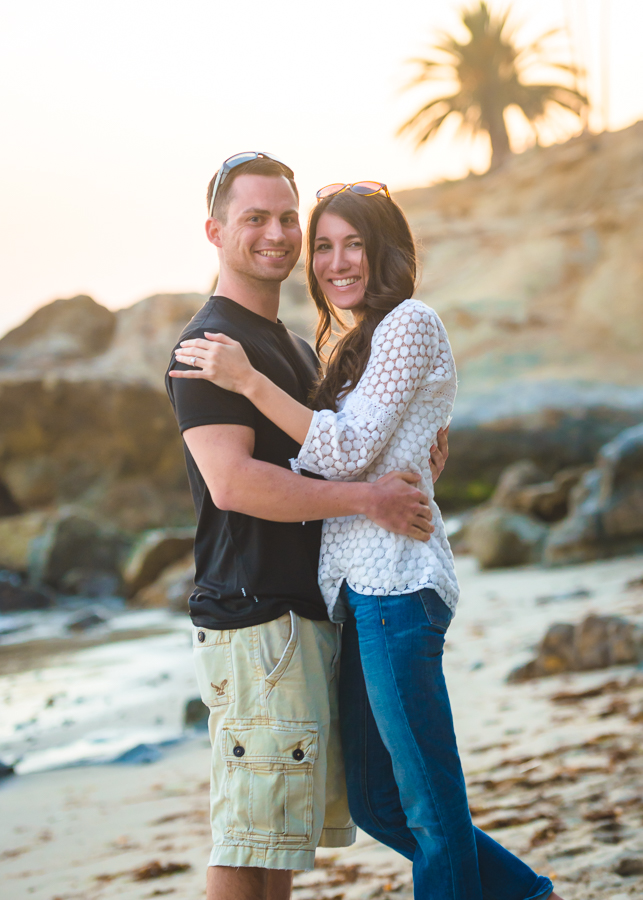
(387, 424)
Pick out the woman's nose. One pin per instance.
(339, 261)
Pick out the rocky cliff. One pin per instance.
(537, 273)
(535, 269)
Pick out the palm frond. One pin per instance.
(490, 70)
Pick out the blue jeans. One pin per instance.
(403, 771)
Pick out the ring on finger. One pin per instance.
(194, 361)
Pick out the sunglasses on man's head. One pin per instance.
(232, 161)
(363, 188)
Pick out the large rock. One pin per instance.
(74, 541)
(595, 643)
(16, 597)
(153, 553)
(499, 538)
(95, 430)
(63, 330)
(16, 536)
(171, 589)
(523, 488)
(606, 515)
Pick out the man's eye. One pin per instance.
(254, 219)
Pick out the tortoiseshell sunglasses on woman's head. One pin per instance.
(363, 188)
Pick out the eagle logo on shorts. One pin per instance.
(220, 688)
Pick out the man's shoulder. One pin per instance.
(304, 347)
(211, 317)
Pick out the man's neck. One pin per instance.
(261, 297)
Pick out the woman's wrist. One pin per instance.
(252, 385)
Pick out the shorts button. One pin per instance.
(298, 754)
(238, 751)
(201, 636)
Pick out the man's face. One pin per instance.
(261, 237)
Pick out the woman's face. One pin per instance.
(339, 262)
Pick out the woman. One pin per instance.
(389, 388)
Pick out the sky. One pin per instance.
(115, 114)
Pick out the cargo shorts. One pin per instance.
(277, 786)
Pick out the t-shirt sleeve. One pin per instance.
(199, 402)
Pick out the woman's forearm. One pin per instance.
(292, 417)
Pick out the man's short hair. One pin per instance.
(259, 166)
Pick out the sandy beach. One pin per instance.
(554, 766)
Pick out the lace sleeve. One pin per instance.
(340, 445)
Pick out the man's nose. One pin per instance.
(274, 231)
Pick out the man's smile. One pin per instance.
(273, 254)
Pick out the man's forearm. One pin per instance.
(270, 492)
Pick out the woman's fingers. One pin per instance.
(206, 343)
(187, 373)
(190, 359)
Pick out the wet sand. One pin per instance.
(554, 768)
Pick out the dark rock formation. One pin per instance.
(72, 541)
(16, 597)
(606, 517)
(595, 643)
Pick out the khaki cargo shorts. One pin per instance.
(277, 782)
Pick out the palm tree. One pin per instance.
(489, 70)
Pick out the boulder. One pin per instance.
(524, 488)
(86, 582)
(606, 507)
(18, 597)
(196, 714)
(171, 589)
(153, 553)
(513, 480)
(74, 328)
(16, 536)
(595, 643)
(73, 540)
(95, 428)
(500, 538)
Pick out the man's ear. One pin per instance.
(213, 231)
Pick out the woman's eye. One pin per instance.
(321, 247)
(356, 244)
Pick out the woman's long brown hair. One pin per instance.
(392, 265)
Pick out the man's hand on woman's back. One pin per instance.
(398, 506)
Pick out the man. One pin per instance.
(265, 651)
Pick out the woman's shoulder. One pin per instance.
(407, 312)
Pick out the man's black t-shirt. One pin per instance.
(248, 570)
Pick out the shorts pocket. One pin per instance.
(277, 643)
(213, 664)
(269, 780)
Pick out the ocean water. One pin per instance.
(117, 691)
